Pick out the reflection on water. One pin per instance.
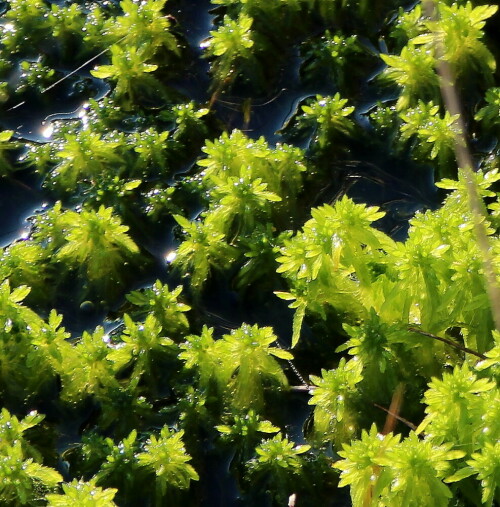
(18, 201)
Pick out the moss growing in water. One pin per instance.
(147, 354)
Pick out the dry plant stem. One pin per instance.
(396, 416)
(464, 161)
(394, 409)
(74, 71)
(448, 342)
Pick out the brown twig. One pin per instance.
(464, 161)
(447, 341)
(396, 416)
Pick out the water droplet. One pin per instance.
(170, 256)
(47, 130)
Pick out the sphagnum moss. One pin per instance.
(143, 409)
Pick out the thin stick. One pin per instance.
(59, 81)
(448, 342)
(394, 409)
(396, 416)
(464, 160)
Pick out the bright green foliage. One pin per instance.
(91, 370)
(34, 76)
(435, 135)
(340, 261)
(250, 184)
(242, 202)
(241, 364)
(121, 467)
(29, 348)
(166, 457)
(379, 288)
(483, 180)
(67, 24)
(28, 21)
(413, 71)
(96, 243)
(243, 432)
(330, 117)
(202, 249)
(50, 342)
(457, 409)
(418, 467)
(383, 350)
(130, 70)
(143, 25)
(408, 25)
(231, 45)
(152, 149)
(147, 152)
(188, 118)
(164, 305)
(96, 27)
(13, 313)
(111, 191)
(362, 466)
(333, 395)
(250, 364)
(12, 429)
(459, 30)
(492, 357)
(277, 453)
(22, 477)
(277, 466)
(371, 342)
(382, 470)
(335, 243)
(279, 168)
(199, 353)
(6, 145)
(25, 263)
(486, 464)
(489, 115)
(84, 494)
(140, 344)
(85, 155)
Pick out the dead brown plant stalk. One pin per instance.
(464, 161)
